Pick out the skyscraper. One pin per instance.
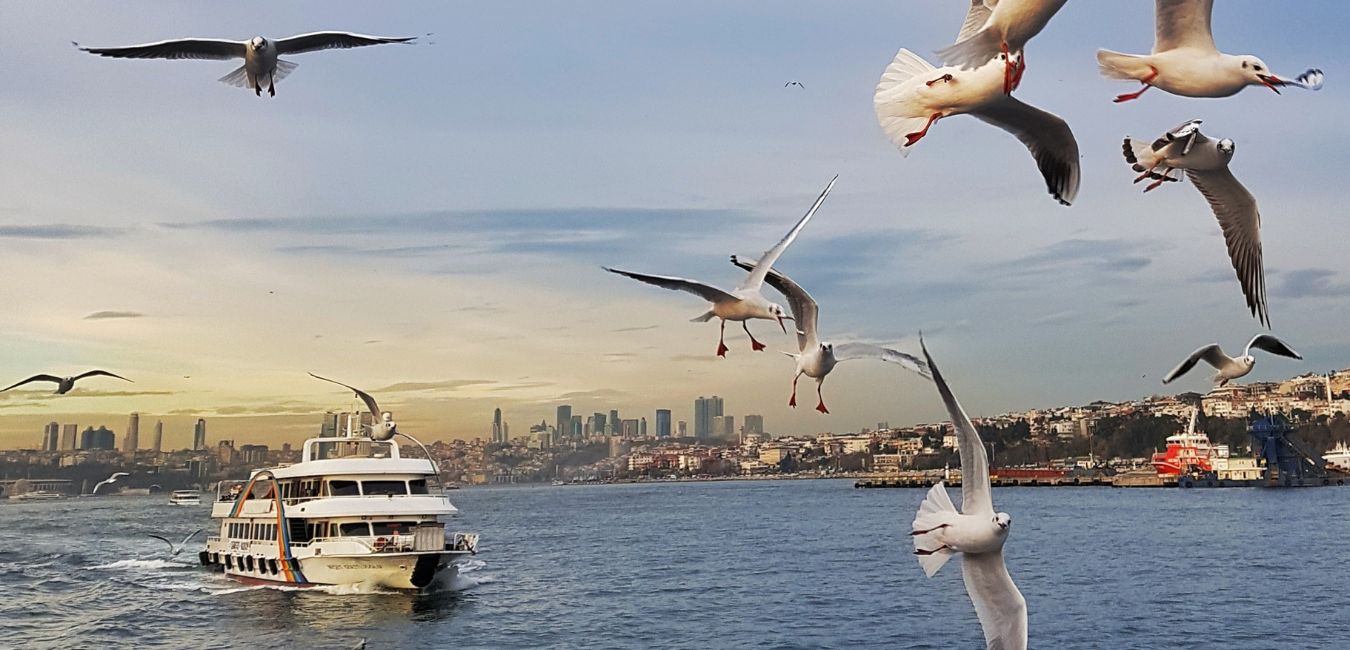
(705, 409)
(662, 423)
(598, 424)
(682, 429)
(563, 426)
(70, 437)
(578, 429)
(642, 428)
(51, 435)
(157, 445)
(615, 424)
(628, 429)
(132, 439)
(199, 435)
(754, 424)
(498, 429)
(329, 428)
(100, 438)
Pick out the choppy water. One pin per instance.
(783, 564)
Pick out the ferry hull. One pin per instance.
(406, 571)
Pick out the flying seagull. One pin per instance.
(1186, 62)
(261, 64)
(977, 533)
(816, 358)
(912, 95)
(994, 27)
(1228, 367)
(1206, 164)
(746, 301)
(794, 83)
(175, 550)
(386, 429)
(64, 384)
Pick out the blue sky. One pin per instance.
(438, 213)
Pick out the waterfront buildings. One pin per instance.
(662, 423)
(51, 436)
(132, 439)
(199, 435)
(563, 422)
(705, 409)
(753, 424)
(157, 443)
(70, 437)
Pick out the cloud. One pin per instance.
(1103, 256)
(636, 329)
(58, 231)
(1311, 283)
(105, 315)
(1056, 318)
(449, 384)
(46, 394)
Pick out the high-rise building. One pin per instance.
(615, 424)
(628, 429)
(157, 445)
(682, 429)
(253, 455)
(225, 452)
(100, 438)
(329, 427)
(705, 409)
(199, 435)
(498, 427)
(563, 426)
(642, 428)
(578, 429)
(724, 427)
(662, 423)
(754, 424)
(70, 437)
(598, 424)
(51, 436)
(132, 439)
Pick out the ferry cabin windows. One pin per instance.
(343, 489)
(385, 528)
(417, 486)
(352, 529)
(244, 530)
(384, 487)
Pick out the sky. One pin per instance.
(429, 221)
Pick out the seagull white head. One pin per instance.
(1257, 73)
(1004, 521)
(780, 314)
(1227, 147)
(258, 43)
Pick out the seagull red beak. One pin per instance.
(1271, 81)
(780, 324)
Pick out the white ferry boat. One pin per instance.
(38, 495)
(185, 498)
(1339, 456)
(352, 511)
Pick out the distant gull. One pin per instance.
(999, 27)
(977, 533)
(261, 64)
(746, 301)
(794, 83)
(1228, 367)
(1186, 62)
(816, 358)
(175, 550)
(109, 481)
(1206, 164)
(386, 428)
(912, 95)
(64, 384)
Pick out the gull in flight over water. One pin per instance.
(1205, 162)
(109, 481)
(64, 384)
(1186, 62)
(794, 83)
(261, 62)
(746, 301)
(994, 27)
(912, 95)
(1228, 367)
(977, 533)
(382, 431)
(816, 358)
(174, 550)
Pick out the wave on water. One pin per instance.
(143, 564)
(463, 581)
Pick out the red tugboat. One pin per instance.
(1188, 452)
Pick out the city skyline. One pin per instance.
(483, 235)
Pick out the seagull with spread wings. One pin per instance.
(816, 358)
(175, 549)
(64, 384)
(261, 62)
(976, 532)
(746, 301)
(1186, 62)
(382, 431)
(1229, 368)
(1205, 162)
(913, 95)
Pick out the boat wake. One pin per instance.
(469, 576)
(131, 565)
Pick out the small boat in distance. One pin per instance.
(1339, 456)
(352, 511)
(185, 498)
(38, 495)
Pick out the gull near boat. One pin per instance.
(351, 512)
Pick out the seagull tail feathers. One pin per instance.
(704, 317)
(1139, 154)
(904, 67)
(237, 78)
(935, 513)
(974, 51)
(284, 68)
(1114, 65)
